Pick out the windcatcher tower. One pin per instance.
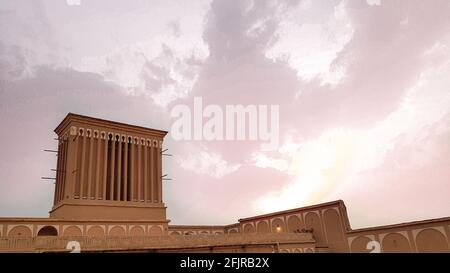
(108, 171)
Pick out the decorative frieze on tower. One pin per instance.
(108, 170)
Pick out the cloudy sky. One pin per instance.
(363, 89)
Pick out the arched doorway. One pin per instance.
(359, 245)
(294, 224)
(48, 231)
(395, 243)
(431, 240)
(312, 220)
(117, 231)
(95, 231)
(137, 231)
(278, 225)
(262, 227)
(72, 231)
(155, 231)
(248, 228)
(20, 231)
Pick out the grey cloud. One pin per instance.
(383, 59)
(174, 26)
(228, 23)
(12, 62)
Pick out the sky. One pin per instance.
(363, 89)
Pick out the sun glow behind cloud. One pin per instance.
(314, 168)
(326, 166)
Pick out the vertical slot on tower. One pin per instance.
(108, 168)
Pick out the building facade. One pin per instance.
(108, 197)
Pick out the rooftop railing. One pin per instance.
(105, 243)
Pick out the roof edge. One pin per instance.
(81, 118)
(336, 202)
